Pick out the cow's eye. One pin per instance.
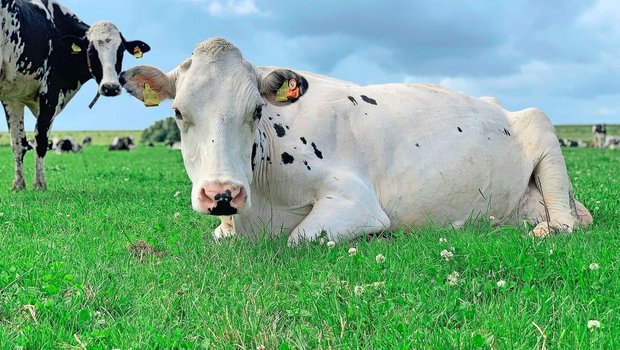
(258, 113)
(177, 114)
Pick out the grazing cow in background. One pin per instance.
(318, 158)
(122, 144)
(65, 145)
(47, 53)
(599, 133)
(87, 141)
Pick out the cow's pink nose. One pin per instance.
(222, 198)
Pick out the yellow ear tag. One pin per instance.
(137, 53)
(75, 49)
(281, 93)
(151, 99)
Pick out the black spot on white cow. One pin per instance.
(122, 144)
(46, 54)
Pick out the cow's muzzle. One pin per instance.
(110, 89)
(221, 199)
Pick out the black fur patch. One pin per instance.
(317, 152)
(369, 100)
(287, 158)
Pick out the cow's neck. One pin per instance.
(262, 158)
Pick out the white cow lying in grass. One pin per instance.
(314, 157)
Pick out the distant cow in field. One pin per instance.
(317, 158)
(122, 144)
(599, 134)
(46, 54)
(572, 143)
(66, 145)
(612, 142)
(87, 141)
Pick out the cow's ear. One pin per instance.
(148, 84)
(137, 48)
(74, 44)
(282, 87)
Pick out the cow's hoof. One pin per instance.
(18, 186)
(220, 233)
(40, 186)
(545, 229)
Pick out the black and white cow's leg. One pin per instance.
(349, 211)
(15, 120)
(42, 129)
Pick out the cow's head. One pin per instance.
(104, 46)
(218, 100)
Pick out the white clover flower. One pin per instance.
(501, 283)
(331, 244)
(491, 217)
(593, 324)
(177, 194)
(380, 259)
(446, 255)
(443, 240)
(378, 284)
(176, 215)
(358, 290)
(352, 251)
(550, 251)
(594, 266)
(453, 278)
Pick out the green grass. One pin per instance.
(68, 279)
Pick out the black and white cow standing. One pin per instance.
(46, 54)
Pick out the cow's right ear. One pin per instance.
(148, 84)
(282, 87)
(74, 44)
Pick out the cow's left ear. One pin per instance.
(137, 48)
(282, 87)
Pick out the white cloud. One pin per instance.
(229, 8)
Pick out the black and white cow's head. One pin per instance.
(218, 101)
(104, 46)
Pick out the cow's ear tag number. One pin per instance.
(137, 53)
(75, 49)
(289, 91)
(151, 99)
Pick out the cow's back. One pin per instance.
(416, 145)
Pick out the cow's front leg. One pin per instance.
(44, 123)
(226, 228)
(342, 214)
(15, 120)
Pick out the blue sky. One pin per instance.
(562, 56)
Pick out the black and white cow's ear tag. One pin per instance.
(289, 91)
(151, 99)
(137, 52)
(75, 49)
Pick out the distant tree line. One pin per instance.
(164, 130)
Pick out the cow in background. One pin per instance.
(46, 54)
(122, 144)
(87, 141)
(65, 145)
(599, 134)
(572, 143)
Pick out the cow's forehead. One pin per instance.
(101, 31)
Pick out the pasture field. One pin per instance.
(112, 256)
